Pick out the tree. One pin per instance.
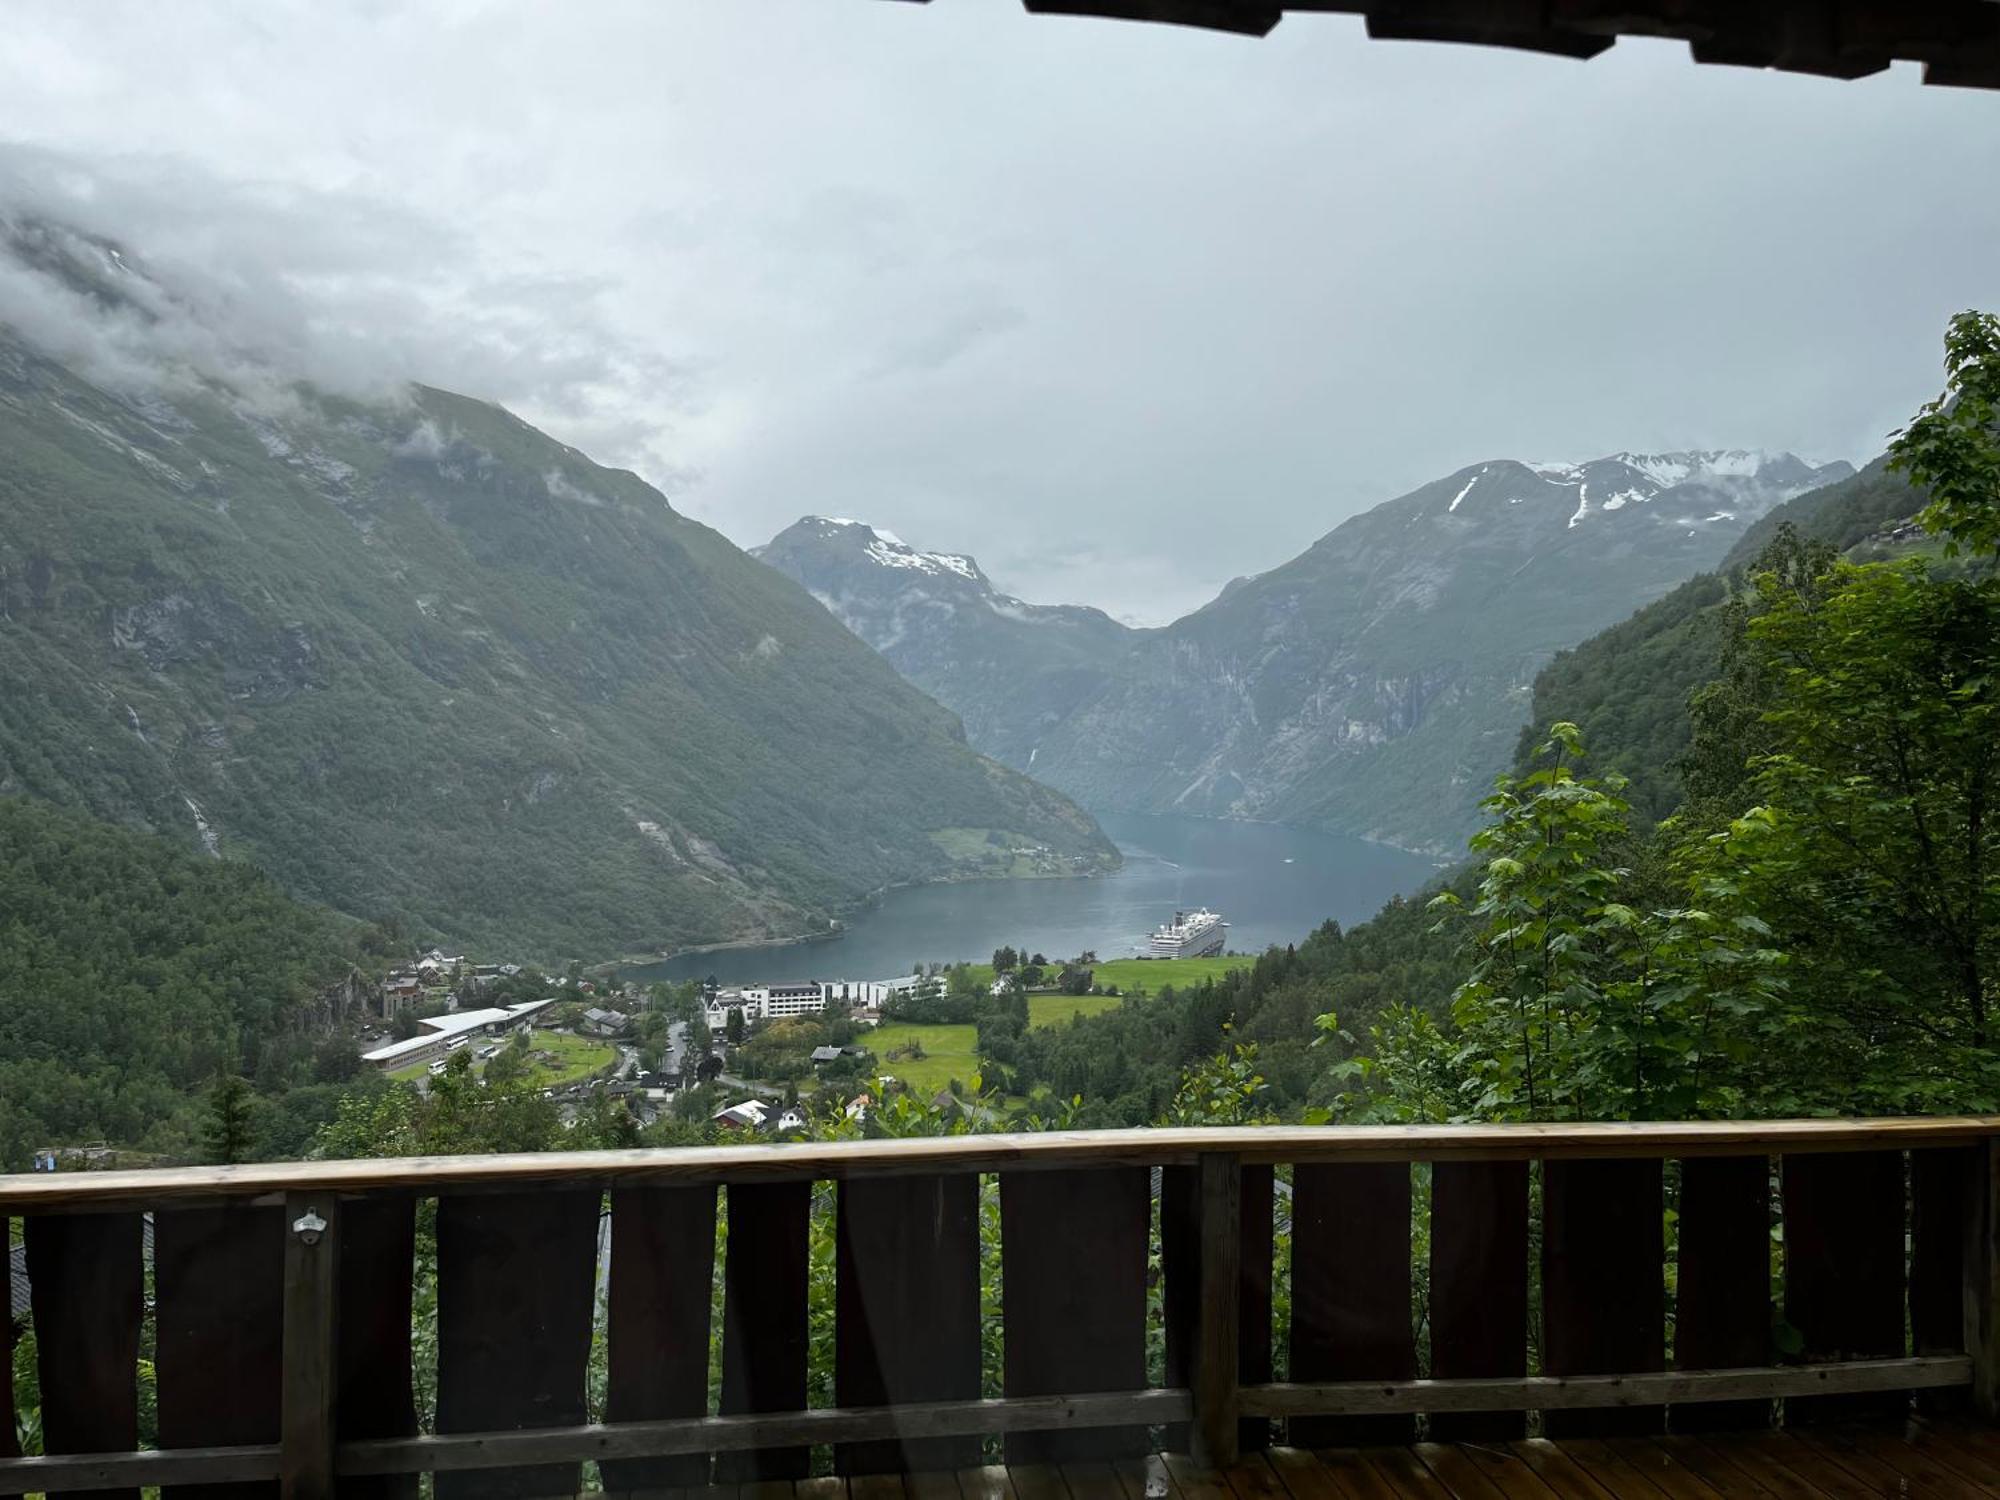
(732, 1027)
(1949, 448)
(229, 1132)
(1004, 960)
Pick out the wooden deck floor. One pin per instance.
(1831, 1463)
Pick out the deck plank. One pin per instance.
(1092, 1479)
(1354, 1477)
(1144, 1478)
(1947, 1446)
(1406, 1473)
(830, 1487)
(1038, 1482)
(1785, 1471)
(1504, 1469)
(1306, 1475)
(1193, 1483)
(1456, 1471)
(1555, 1468)
(1660, 1467)
(936, 1484)
(1612, 1470)
(1888, 1462)
(1721, 1476)
(988, 1482)
(859, 1487)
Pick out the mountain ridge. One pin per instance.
(415, 657)
(1338, 689)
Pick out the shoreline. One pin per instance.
(872, 898)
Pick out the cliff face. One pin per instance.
(1373, 685)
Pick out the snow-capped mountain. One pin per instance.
(1374, 684)
(1010, 669)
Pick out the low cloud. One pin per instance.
(147, 271)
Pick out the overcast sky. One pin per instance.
(1122, 310)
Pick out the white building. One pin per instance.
(445, 1034)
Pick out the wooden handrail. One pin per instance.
(839, 1160)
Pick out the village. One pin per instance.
(653, 1050)
(759, 1059)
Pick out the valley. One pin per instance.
(1372, 686)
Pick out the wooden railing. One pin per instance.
(281, 1299)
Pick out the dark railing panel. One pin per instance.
(88, 1282)
(1603, 1283)
(662, 1281)
(516, 1275)
(764, 1327)
(372, 1372)
(1180, 1271)
(218, 1284)
(1073, 1267)
(906, 1326)
(1351, 1292)
(1844, 1267)
(10, 1443)
(1938, 1182)
(1479, 1287)
(1722, 1314)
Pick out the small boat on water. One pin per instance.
(1191, 934)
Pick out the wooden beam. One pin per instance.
(1218, 1319)
(269, 1182)
(149, 1466)
(1570, 1392)
(736, 1434)
(312, 1292)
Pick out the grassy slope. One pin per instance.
(428, 662)
(949, 1052)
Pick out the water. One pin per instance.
(1273, 885)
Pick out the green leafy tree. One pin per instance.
(1949, 448)
(732, 1026)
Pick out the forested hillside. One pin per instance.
(133, 973)
(1628, 687)
(416, 658)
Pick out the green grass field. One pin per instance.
(1154, 974)
(1059, 1010)
(572, 1057)
(949, 1052)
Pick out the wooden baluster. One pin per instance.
(1722, 1319)
(764, 1320)
(10, 1443)
(87, 1276)
(1180, 1270)
(1844, 1268)
(1351, 1292)
(1479, 1287)
(907, 1311)
(311, 1380)
(662, 1275)
(1603, 1284)
(1219, 1180)
(1939, 1180)
(375, 1399)
(1981, 1269)
(516, 1273)
(218, 1286)
(1073, 1260)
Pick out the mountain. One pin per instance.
(417, 659)
(1010, 669)
(1373, 685)
(1628, 686)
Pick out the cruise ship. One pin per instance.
(1191, 934)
